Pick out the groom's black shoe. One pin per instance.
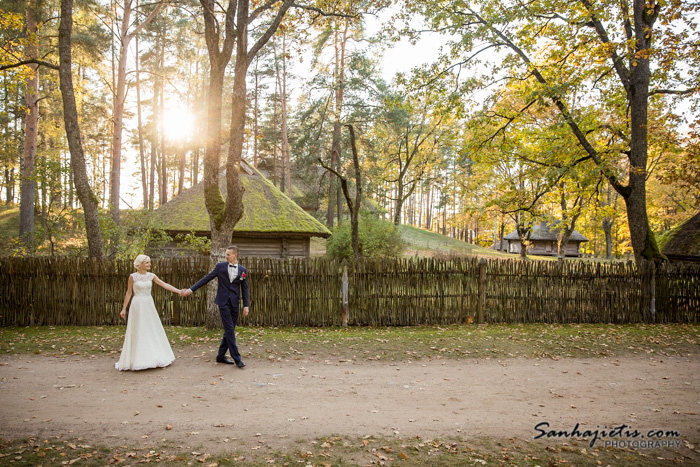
(240, 364)
(225, 360)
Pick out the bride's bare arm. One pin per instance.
(127, 296)
(165, 285)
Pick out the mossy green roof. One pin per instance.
(266, 210)
(683, 240)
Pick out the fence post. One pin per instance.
(344, 307)
(482, 291)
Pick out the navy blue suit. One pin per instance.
(228, 298)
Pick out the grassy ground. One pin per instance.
(9, 227)
(364, 343)
(67, 239)
(339, 451)
(384, 343)
(421, 242)
(425, 243)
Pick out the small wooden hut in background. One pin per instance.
(543, 241)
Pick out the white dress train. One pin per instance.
(145, 343)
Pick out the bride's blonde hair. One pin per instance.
(140, 259)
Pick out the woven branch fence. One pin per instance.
(403, 292)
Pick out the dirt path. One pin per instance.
(197, 403)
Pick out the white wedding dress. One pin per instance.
(145, 342)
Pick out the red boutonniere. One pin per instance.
(243, 276)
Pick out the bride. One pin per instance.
(145, 342)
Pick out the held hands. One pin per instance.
(185, 292)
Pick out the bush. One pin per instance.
(378, 238)
(139, 232)
(193, 244)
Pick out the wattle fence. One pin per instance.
(403, 292)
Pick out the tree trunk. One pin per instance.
(161, 126)
(338, 193)
(181, 168)
(563, 241)
(607, 230)
(119, 100)
(355, 210)
(256, 96)
(71, 187)
(500, 236)
(399, 203)
(567, 226)
(42, 189)
(419, 209)
(285, 119)
(202, 130)
(154, 130)
(330, 215)
(274, 143)
(524, 232)
(142, 152)
(9, 171)
(223, 215)
(334, 193)
(333, 189)
(234, 186)
(286, 178)
(214, 202)
(411, 210)
(70, 113)
(353, 206)
(27, 175)
(9, 184)
(212, 195)
(643, 240)
(339, 95)
(429, 208)
(523, 246)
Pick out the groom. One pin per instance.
(232, 286)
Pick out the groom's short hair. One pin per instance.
(233, 248)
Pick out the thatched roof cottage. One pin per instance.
(272, 224)
(683, 242)
(543, 241)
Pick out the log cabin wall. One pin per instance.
(272, 247)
